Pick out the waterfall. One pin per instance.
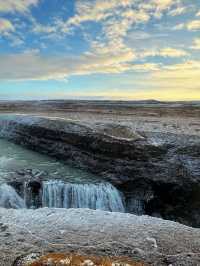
(101, 196)
(9, 198)
(32, 194)
(136, 206)
(57, 194)
(137, 200)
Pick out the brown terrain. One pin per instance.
(171, 117)
(149, 150)
(59, 259)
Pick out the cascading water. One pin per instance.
(57, 194)
(137, 200)
(101, 196)
(32, 194)
(9, 198)
(136, 206)
(15, 159)
(82, 193)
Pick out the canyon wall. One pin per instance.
(161, 172)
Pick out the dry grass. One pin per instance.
(78, 260)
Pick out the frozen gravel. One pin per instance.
(45, 230)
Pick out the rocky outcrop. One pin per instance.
(72, 259)
(152, 240)
(160, 172)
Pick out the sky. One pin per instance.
(100, 49)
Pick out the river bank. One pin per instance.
(157, 173)
(152, 240)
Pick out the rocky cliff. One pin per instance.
(160, 171)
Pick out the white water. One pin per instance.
(79, 189)
(9, 198)
(101, 196)
(57, 194)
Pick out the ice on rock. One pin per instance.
(9, 198)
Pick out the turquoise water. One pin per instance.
(63, 187)
(14, 157)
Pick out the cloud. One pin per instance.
(29, 66)
(178, 11)
(168, 82)
(115, 32)
(48, 30)
(198, 14)
(101, 10)
(15, 41)
(6, 26)
(116, 17)
(11, 6)
(147, 67)
(179, 76)
(196, 44)
(185, 66)
(32, 66)
(165, 82)
(163, 4)
(157, 7)
(179, 26)
(172, 52)
(193, 25)
(164, 52)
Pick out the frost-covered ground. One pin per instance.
(170, 117)
(175, 125)
(154, 240)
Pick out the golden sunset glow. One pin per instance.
(111, 49)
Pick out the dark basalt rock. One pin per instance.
(161, 170)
